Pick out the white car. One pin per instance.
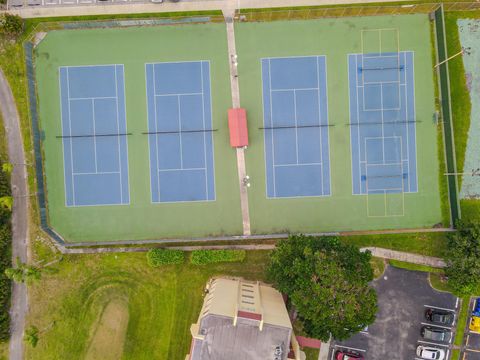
(431, 353)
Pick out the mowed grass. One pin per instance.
(461, 105)
(72, 305)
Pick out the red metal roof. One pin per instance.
(249, 315)
(237, 123)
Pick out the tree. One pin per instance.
(328, 284)
(6, 202)
(463, 258)
(7, 168)
(31, 336)
(11, 24)
(23, 273)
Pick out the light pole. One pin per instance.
(461, 52)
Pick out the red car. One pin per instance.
(348, 355)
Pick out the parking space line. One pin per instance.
(440, 308)
(448, 354)
(435, 325)
(349, 348)
(472, 350)
(432, 343)
(456, 303)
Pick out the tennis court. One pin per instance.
(295, 126)
(180, 131)
(382, 123)
(94, 135)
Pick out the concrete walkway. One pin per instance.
(132, 8)
(228, 13)
(406, 257)
(19, 214)
(377, 252)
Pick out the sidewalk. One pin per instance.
(406, 257)
(133, 8)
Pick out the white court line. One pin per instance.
(94, 137)
(183, 169)
(96, 173)
(440, 308)
(63, 140)
(271, 124)
(147, 96)
(211, 124)
(296, 123)
(299, 164)
(180, 129)
(295, 89)
(71, 142)
(204, 134)
(414, 117)
(95, 97)
(156, 130)
(320, 130)
(179, 94)
(118, 137)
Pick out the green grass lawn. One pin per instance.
(461, 106)
(431, 244)
(162, 303)
(312, 354)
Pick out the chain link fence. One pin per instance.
(365, 10)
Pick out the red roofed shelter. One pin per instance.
(237, 123)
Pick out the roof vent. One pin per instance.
(278, 352)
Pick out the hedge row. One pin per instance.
(158, 257)
(5, 258)
(202, 257)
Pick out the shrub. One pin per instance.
(158, 257)
(202, 257)
(11, 24)
(5, 259)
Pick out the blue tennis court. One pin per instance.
(296, 126)
(382, 123)
(94, 135)
(180, 131)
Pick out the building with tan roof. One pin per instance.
(243, 320)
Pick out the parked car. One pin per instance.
(431, 353)
(436, 333)
(348, 355)
(440, 317)
(475, 324)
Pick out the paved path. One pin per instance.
(228, 13)
(131, 8)
(20, 213)
(377, 252)
(405, 256)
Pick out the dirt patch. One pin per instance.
(108, 335)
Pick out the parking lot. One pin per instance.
(472, 340)
(403, 297)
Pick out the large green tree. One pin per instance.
(328, 284)
(463, 258)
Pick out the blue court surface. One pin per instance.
(94, 135)
(296, 126)
(382, 123)
(180, 131)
